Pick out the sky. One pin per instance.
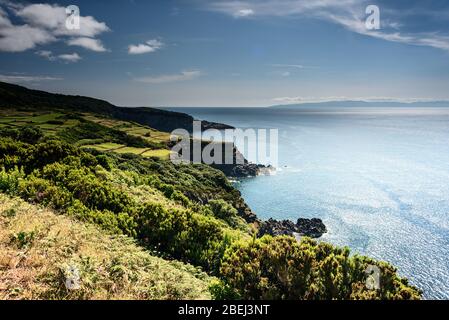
(248, 53)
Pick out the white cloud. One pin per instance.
(4, 20)
(19, 79)
(67, 57)
(42, 24)
(70, 57)
(89, 27)
(53, 17)
(87, 43)
(275, 7)
(243, 13)
(43, 15)
(21, 38)
(167, 78)
(46, 54)
(147, 47)
(347, 13)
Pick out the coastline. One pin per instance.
(313, 227)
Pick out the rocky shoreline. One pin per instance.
(242, 168)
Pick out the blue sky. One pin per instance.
(228, 53)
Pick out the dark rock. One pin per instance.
(241, 168)
(313, 228)
(245, 212)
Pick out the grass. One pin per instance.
(161, 154)
(40, 251)
(88, 142)
(108, 146)
(52, 123)
(44, 117)
(129, 150)
(122, 149)
(42, 120)
(132, 128)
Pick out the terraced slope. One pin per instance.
(92, 131)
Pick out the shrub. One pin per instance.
(9, 180)
(9, 133)
(282, 268)
(30, 134)
(181, 233)
(222, 210)
(104, 161)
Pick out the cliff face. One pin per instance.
(238, 168)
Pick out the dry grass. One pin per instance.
(38, 248)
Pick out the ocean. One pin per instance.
(377, 177)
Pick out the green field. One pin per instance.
(162, 154)
(52, 123)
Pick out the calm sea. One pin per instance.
(378, 177)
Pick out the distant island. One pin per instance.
(363, 104)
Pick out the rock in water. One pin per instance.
(313, 228)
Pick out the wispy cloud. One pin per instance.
(147, 47)
(349, 14)
(168, 78)
(70, 57)
(66, 57)
(46, 54)
(20, 79)
(41, 24)
(87, 43)
(243, 13)
(280, 65)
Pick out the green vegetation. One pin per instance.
(190, 213)
(282, 268)
(88, 131)
(38, 247)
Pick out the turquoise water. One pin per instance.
(379, 179)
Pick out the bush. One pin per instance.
(181, 233)
(9, 133)
(9, 180)
(27, 134)
(30, 134)
(104, 161)
(282, 268)
(222, 210)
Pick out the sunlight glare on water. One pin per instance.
(379, 179)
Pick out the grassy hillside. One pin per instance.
(38, 248)
(21, 98)
(89, 131)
